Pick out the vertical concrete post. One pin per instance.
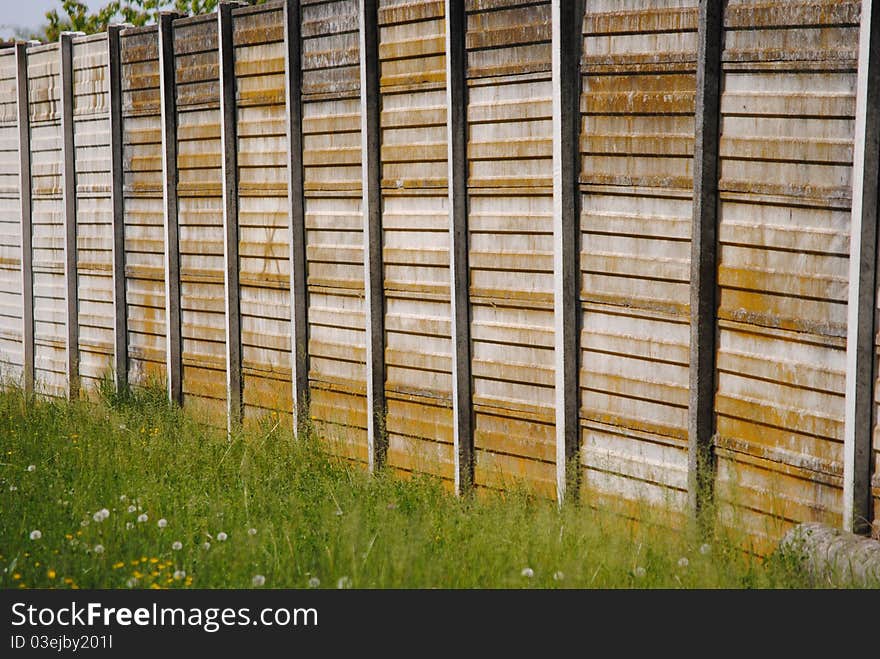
(68, 203)
(173, 343)
(456, 134)
(567, 32)
(861, 367)
(299, 323)
(24, 188)
(229, 165)
(372, 208)
(704, 256)
(120, 305)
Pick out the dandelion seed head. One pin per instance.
(527, 572)
(132, 509)
(683, 562)
(36, 534)
(177, 545)
(221, 537)
(252, 531)
(131, 583)
(206, 546)
(32, 467)
(99, 549)
(84, 523)
(123, 498)
(314, 582)
(558, 575)
(179, 574)
(258, 580)
(12, 488)
(162, 523)
(129, 525)
(705, 549)
(142, 518)
(343, 582)
(640, 572)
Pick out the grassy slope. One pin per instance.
(314, 517)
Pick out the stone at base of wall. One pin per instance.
(833, 557)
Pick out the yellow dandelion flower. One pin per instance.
(74, 587)
(16, 576)
(169, 580)
(118, 565)
(79, 532)
(155, 586)
(143, 559)
(51, 574)
(189, 581)
(36, 563)
(22, 585)
(154, 560)
(135, 562)
(154, 573)
(68, 536)
(68, 580)
(136, 574)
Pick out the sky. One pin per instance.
(29, 14)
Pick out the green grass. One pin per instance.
(312, 516)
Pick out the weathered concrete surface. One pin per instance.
(834, 557)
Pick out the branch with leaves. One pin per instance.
(74, 15)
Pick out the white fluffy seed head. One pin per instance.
(99, 549)
(142, 518)
(177, 545)
(640, 572)
(683, 562)
(162, 523)
(36, 534)
(527, 572)
(221, 537)
(258, 580)
(314, 582)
